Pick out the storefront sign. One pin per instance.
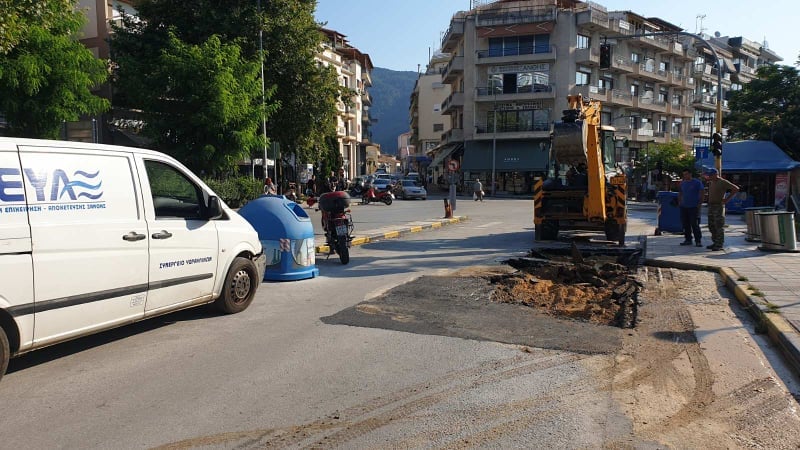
(520, 68)
(781, 190)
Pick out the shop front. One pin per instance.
(761, 169)
(516, 164)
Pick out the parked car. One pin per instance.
(382, 182)
(410, 189)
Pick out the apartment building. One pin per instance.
(514, 63)
(426, 111)
(353, 70)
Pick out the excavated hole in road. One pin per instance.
(599, 287)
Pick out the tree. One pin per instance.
(46, 76)
(17, 17)
(768, 108)
(305, 94)
(200, 103)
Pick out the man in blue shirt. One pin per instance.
(689, 199)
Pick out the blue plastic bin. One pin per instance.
(669, 213)
(287, 235)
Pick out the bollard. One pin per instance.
(448, 211)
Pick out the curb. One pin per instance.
(779, 330)
(395, 233)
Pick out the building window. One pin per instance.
(519, 45)
(583, 41)
(512, 83)
(606, 82)
(635, 57)
(438, 127)
(518, 121)
(583, 76)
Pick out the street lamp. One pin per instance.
(494, 138)
(263, 90)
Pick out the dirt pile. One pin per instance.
(595, 290)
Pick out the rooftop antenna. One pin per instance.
(699, 30)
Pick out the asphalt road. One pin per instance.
(283, 374)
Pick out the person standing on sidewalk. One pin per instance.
(689, 199)
(717, 187)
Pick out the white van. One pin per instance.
(97, 236)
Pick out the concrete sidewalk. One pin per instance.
(766, 283)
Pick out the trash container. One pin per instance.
(287, 235)
(669, 214)
(753, 233)
(777, 231)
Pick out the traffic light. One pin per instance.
(605, 56)
(716, 144)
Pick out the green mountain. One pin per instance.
(390, 91)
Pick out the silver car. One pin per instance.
(410, 189)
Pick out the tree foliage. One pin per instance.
(302, 106)
(46, 75)
(768, 108)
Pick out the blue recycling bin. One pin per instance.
(287, 235)
(669, 213)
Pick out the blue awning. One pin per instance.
(748, 156)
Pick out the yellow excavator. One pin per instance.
(585, 188)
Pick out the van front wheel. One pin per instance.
(239, 288)
(5, 353)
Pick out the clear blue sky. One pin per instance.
(398, 34)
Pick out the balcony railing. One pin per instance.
(534, 88)
(513, 128)
(517, 16)
(453, 34)
(455, 66)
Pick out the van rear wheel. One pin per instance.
(5, 353)
(239, 288)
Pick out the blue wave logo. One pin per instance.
(87, 187)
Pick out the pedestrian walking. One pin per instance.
(717, 189)
(311, 187)
(690, 197)
(477, 189)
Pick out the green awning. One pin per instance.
(528, 155)
(444, 152)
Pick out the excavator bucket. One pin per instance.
(569, 142)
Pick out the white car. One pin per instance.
(382, 182)
(410, 189)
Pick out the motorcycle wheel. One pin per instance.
(387, 200)
(343, 250)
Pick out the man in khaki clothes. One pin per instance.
(717, 187)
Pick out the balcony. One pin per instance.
(587, 56)
(453, 135)
(657, 42)
(676, 48)
(453, 69)
(649, 71)
(366, 99)
(453, 102)
(593, 20)
(341, 132)
(621, 98)
(676, 109)
(621, 65)
(366, 78)
(593, 92)
(649, 104)
(513, 131)
(518, 15)
(529, 92)
(621, 27)
(524, 53)
(453, 35)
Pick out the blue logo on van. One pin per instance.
(71, 186)
(82, 184)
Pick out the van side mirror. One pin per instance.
(214, 208)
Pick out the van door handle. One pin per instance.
(163, 234)
(134, 236)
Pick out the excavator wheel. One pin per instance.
(546, 231)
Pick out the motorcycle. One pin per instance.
(337, 223)
(380, 196)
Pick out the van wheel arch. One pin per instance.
(8, 325)
(239, 287)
